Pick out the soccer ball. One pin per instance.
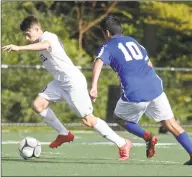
(29, 147)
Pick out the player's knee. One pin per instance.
(37, 107)
(89, 120)
(173, 126)
(170, 123)
(85, 122)
(116, 118)
(39, 104)
(119, 121)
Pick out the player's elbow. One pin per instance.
(99, 62)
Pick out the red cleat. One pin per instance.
(150, 146)
(62, 139)
(124, 150)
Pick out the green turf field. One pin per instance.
(92, 155)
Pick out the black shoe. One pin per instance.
(188, 162)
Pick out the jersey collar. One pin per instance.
(116, 36)
(42, 35)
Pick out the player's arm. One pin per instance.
(95, 77)
(36, 46)
(147, 58)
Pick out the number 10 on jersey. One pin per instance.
(133, 49)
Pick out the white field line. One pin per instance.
(156, 161)
(97, 143)
(84, 132)
(75, 131)
(51, 154)
(134, 144)
(140, 160)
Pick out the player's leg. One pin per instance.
(40, 105)
(160, 110)
(127, 114)
(102, 128)
(80, 102)
(181, 136)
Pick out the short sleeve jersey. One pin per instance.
(55, 60)
(129, 59)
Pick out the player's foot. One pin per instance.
(62, 139)
(188, 162)
(150, 146)
(124, 150)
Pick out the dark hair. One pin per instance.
(28, 22)
(112, 24)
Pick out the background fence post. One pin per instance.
(114, 92)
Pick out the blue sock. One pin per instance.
(185, 141)
(135, 129)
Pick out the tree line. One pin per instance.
(163, 28)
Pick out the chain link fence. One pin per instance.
(22, 83)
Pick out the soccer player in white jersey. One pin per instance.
(69, 84)
(142, 89)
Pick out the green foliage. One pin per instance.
(175, 15)
(173, 33)
(179, 95)
(21, 83)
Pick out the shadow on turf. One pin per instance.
(11, 159)
(77, 161)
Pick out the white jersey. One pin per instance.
(56, 61)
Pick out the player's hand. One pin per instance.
(93, 94)
(10, 48)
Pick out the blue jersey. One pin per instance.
(129, 59)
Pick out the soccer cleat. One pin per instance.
(124, 150)
(62, 139)
(150, 146)
(188, 162)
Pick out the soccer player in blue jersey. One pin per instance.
(142, 89)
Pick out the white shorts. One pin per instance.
(76, 96)
(158, 109)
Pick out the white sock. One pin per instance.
(102, 127)
(51, 119)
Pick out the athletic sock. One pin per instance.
(102, 127)
(51, 119)
(185, 141)
(136, 129)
